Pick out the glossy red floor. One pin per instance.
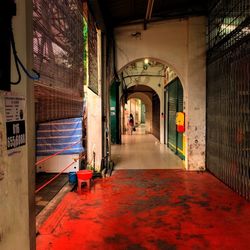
(150, 209)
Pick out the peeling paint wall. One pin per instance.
(179, 44)
(196, 94)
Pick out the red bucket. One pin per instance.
(84, 174)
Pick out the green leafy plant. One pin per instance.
(90, 167)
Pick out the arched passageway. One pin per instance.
(142, 97)
(142, 85)
(146, 107)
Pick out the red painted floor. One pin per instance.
(150, 209)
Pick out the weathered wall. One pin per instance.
(196, 94)
(17, 212)
(179, 44)
(165, 41)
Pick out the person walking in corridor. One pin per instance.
(131, 123)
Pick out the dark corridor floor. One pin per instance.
(150, 209)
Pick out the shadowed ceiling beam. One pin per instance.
(148, 13)
(150, 10)
(148, 7)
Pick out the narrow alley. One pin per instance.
(124, 125)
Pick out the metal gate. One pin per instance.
(228, 94)
(58, 57)
(156, 115)
(174, 93)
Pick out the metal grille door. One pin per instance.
(172, 109)
(180, 109)
(228, 95)
(175, 104)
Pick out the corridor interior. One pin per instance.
(143, 151)
(149, 202)
(75, 76)
(149, 209)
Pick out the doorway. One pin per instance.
(173, 104)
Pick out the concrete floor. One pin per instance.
(44, 196)
(143, 151)
(149, 209)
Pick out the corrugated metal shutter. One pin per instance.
(172, 109)
(156, 116)
(175, 104)
(180, 109)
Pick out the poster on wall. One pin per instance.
(15, 122)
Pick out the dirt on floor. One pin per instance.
(150, 209)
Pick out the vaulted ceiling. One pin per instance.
(143, 72)
(124, 12)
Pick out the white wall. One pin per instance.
(17, 212)
(94, 128)
(179, 44)
(162, 40)
(94, 116)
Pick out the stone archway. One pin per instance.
(189, 62)
(151, 74)
(149, 97)
(159, 61)
(133, 75)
